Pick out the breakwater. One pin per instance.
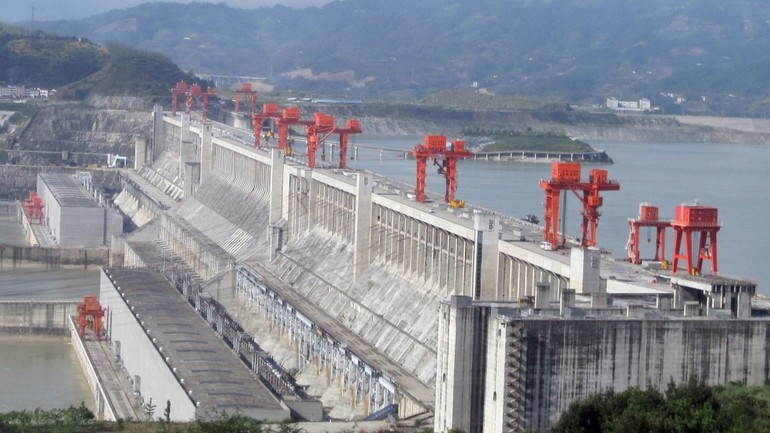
(543, 156)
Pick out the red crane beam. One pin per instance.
(180, 89)
(353, 127)
(245, 90)
(565, 176)
(321, 128)
(444, 158)
(703, 220)
(648, 217)
(90, 315)
(289, 116)
(269, 111)
(33, 207)
(196, 94)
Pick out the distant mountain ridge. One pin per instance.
(710, 54)
(78, 68)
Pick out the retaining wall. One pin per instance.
(14, 256)
(36, 317)
(540, 366)
(103, 409)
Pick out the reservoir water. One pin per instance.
(42, 371)
(732, 177)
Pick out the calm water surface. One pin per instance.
(42, 371)
(731, 177)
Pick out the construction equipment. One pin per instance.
(648, 217)
(245, 90)
(33, 208)
(322, 127)
(689, 219)
(566, 176)
(90, 315)
(317, 132)
(445, 157)
(196, 94)
(179, 89)
(353, 126)
(269, 111)
(192, 94)
(289, 116)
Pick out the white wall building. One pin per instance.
(73, 216)
(643, 104)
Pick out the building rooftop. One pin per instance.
(202, 361)
(67, 190)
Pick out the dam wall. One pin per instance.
(549, 363)
(103, 407)
(350, 268)
(36, 317)
(351, 242)
(13, 256)
(521, 270)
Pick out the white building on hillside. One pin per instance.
(643, 104)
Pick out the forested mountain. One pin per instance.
(76, 67)
(712, 53)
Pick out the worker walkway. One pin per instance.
(114, 380)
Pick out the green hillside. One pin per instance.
(690, 56)
(76, 67)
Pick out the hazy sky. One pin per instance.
(14, 11)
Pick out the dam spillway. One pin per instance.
(347, 267)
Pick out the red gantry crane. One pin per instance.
(317, 132)
(648, 217)
(289, 116)
(196, 94)
(180, 89)
(90, 315)
(445, 158)
(245, 90)
(689, 219)
(566, 176)
(269, 111)
(33, 207)
(353, 126)
(322, 127)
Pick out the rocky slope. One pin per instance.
(385, 120)
(75, 137)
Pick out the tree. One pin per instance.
(689, 407)
(149, 409)
(166, 420)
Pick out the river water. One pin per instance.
(38, 370)
(732, 177)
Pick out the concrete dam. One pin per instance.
(367, 302)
